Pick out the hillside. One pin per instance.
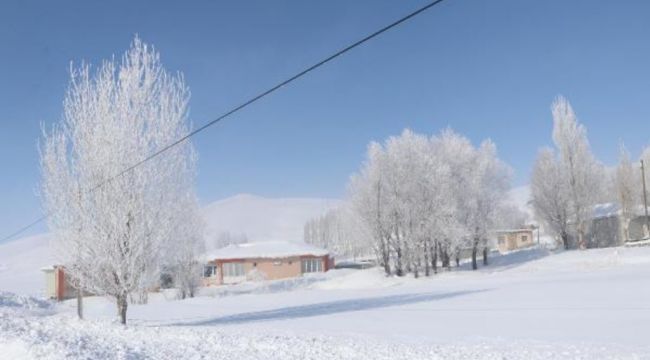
(263, 219)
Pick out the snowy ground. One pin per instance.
(526, 305)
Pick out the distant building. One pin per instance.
(57, 286)
(607, 227)
(264, 260)
(508, 240)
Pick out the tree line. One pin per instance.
(418, 201)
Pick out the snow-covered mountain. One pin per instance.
(21, 262)
(260, 218)
(263, 219)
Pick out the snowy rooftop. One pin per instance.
(266, 249)
(606, 210)
(514, 230)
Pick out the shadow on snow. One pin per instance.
(327, 308)
(502, 262)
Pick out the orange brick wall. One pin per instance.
(276, 269)
(272, 269)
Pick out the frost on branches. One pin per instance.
(341, 232)
(113, 234)
(425, 199)
(567, 183)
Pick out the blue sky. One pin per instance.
(488, 69)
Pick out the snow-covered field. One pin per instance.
(526, 305)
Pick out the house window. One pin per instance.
(233, 269)
(209, 271)
(524, 238)
(312, 265)
(502, 240)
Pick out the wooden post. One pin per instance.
(80, 308)
(645, 202)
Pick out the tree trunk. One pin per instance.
(415, 267)
(485, 256)
(565, 240)
(399, 271)
(427, 265)
(582, 242)
(386, 267)
(457, 260)
(434, 257)
(80, 305)
(444, 257)
(385, 257)
(122, 305)
(474, 252)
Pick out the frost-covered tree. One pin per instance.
(187, 247)
(368, 196)
(580, 170)
(433, 207)
(110, 231)
(627, 185)
(510, 216)
(550, 195)
(405, 171)
(225, 238)
(341, 232)
(426, 199)
(491, 182)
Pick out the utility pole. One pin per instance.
(645, 201)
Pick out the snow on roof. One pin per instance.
(605, 210)
(514, 230)
(266, 249)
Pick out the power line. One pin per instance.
(271, 90)
(24, 228)
(247, 103)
